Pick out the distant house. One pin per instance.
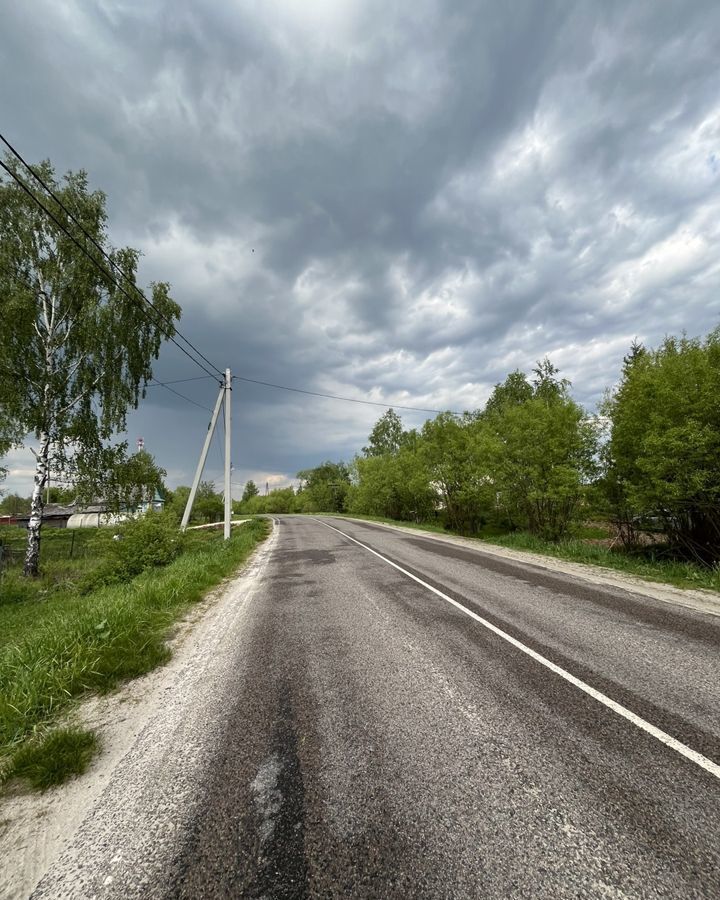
(54, 516)
(157, 503)
(96, 515)
(91, 515)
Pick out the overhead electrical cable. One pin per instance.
(284, 387)
(184, 380)
(166, 385)
(169, 323)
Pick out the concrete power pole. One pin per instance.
(226, 395)
(201, 461)
(228, 431)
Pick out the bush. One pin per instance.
(665, 444)
(141, 544)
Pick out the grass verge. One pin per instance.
(54, 758)
(641, 565)
(63, 645)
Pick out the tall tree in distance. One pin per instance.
(540, 450)
(250, 490)
(136, 481)
(75, 351)
(386, 436)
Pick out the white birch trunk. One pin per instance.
(32, 554)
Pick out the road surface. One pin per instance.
(424, 720)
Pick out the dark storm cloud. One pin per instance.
(399, 203)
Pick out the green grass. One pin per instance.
(54, 758)
(57, 543)
(59, 645)
(577, 549)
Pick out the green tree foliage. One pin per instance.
(395, 485)
(280, 500)
(63, 496)
(386, 437)
(453, 455)
(525, 459)
(514, 391)
(75, 351)
(10, 431)
(250, 490)
(143, 543)
(134, 481)
(175, 502)
(325, 488)
(540, 449)
(208, 506)
(390, 478)
(665, 442)
(14, 505)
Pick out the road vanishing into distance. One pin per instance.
(391, 715)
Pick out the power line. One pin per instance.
(283, 387)
(184, 380)
(100, 268)
(100, 249)
(302, 391)
(164, 318)
(166, 385)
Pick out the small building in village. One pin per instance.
(91, 515)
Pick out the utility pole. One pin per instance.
(203, 457)
(225, 394)
(228, 430)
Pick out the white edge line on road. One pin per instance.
(707, 764)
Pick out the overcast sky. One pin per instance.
(401, 202)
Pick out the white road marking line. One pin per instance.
(707, 764)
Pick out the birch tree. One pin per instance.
(75, 351)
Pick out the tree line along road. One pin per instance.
(391, 715)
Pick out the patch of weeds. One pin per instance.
(60, 755)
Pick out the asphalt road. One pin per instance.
(373, 739)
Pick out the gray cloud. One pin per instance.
(397, 204)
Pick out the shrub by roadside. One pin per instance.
(141, 544)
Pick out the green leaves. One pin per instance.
(665, 441)
(78, 341)
(250, 490)
(325, 487)
(387, 435)
(541, 450)
(525, 460)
